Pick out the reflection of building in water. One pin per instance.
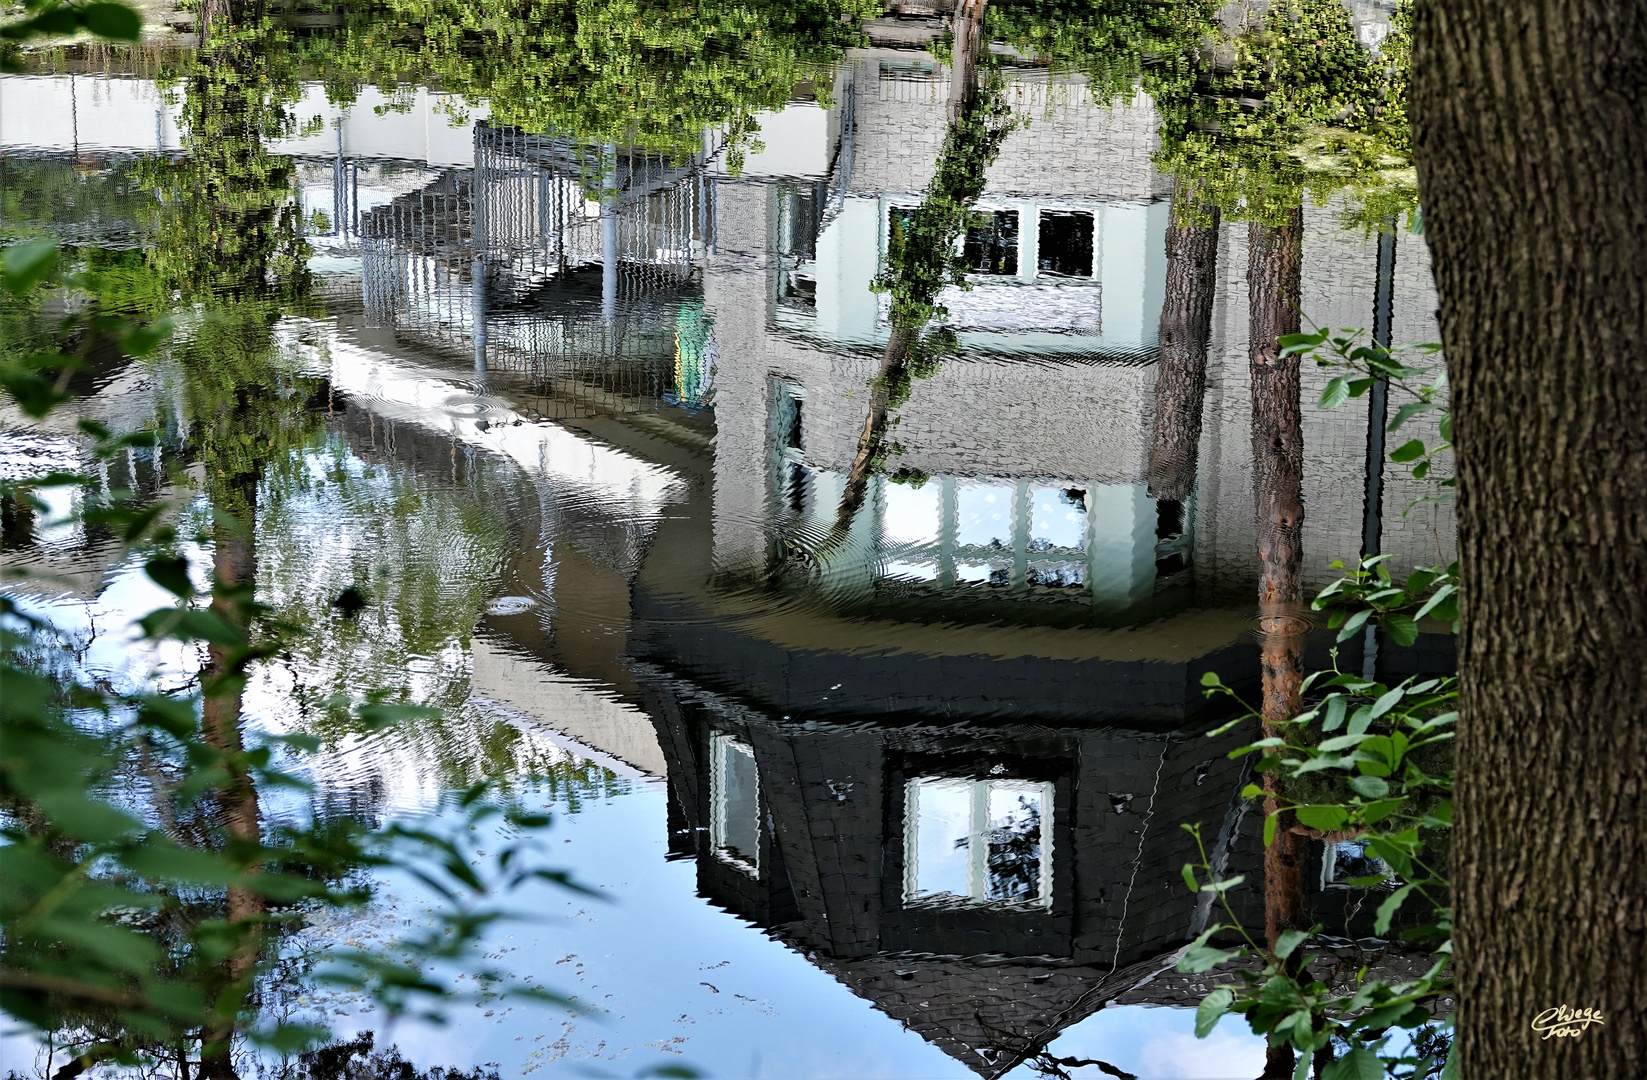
(1023, 466)
(986, 887)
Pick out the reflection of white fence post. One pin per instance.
(609, 236)
(478, 238)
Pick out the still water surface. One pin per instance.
(900, 798)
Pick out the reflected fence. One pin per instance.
(572, 263)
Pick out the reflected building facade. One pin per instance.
(945, 757)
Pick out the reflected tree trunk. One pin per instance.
(1529, 129)
(894, 367)
(971, 144)
(1274, 265)
(234, 564)
(1186, 325)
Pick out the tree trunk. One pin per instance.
(1530, 127)
(968, 32)
(967, 29)
(235, 566)
(894, 363)
(1274, 265)
(1186, 324)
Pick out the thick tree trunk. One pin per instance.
(1530, 127)
(1274, 265)
(1186, 324)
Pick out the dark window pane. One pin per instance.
(1066, 243)
(992, 243)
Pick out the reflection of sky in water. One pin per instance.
(673, 977)
(679, 980)
(984, 515)
(911, 513)
(1058, 519)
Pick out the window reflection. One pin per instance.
(983, 515)
(978, 842)
(911, 514)
(734, 794)
(1058, 519)
(1065, 243)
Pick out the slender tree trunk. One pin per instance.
(1186, 324)
(1530, 129)
(894, 362)
(968, 31)
(235, 567)
(1274, 264)
(967, 28)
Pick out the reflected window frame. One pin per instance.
(978, 843)
(721, 748)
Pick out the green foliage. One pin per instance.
(1360, 366)
(641, 73)
(1256, 119)
(151, 922)
(67, 18)
(1368, 761)
(923, 251)
(1115, 44)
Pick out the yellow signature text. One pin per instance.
(1562, 1022)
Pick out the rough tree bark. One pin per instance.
(1186, 323)
(1274, 266)
(1530, 127)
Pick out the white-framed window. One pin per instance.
(985, 843)
(735, 804)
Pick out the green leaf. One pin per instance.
(1408, 411)
(1403, 629)
(1370, 787)
(1270, 824)
(382, 716)
(1449, 1071)
(1374, 812)
(171, 575)
(1337, 392)
(1322, 817)
(142, 340)
(1189, 878)
(1387, 910)
(1199, 957)
(1387, 701)
(1341, 742)
(1211, 1010)
(117, 22)
(1224, 885)
(1353, 624)
(1408, 451)
(287, 1038)
(26, 265)
(1335, 714)
(1435, 600)
(1290, 940)
(87, 818)
(1358, 1064)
